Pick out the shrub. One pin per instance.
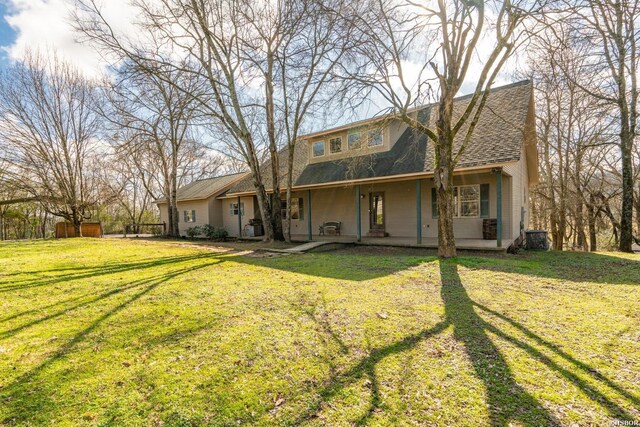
(214, 233)
(194, 232)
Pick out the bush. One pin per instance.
(194, 232)
(214, 233)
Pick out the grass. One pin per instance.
(125, 332)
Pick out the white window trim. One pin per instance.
(330, 147)
(359, 133)
(456, 190)
(300, 210)
(324, 149)
(369, 138)
(239, 209)
(192, 215)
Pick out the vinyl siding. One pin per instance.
(230, 222)
(339, 204)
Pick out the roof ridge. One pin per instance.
(417, 108)
(218, 176)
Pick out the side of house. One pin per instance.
(199, 203)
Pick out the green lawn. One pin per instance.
(113, 332)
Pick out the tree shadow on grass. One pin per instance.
(24, 398)
(96, 271)
(89, 301)
(507, 401)
(353, 263)
(571, 266)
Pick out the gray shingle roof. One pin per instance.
(498, 138)
(205, 188)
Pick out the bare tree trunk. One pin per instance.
(443, 177)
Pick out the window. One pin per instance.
(233, 209)
(354, 140)
(374, 137)
(190, 216)
(297, 209)
(335, 145)
(318, 149)
(469, 201)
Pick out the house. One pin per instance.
(375, 177)
(199, 202)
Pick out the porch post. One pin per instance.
(358, 225)
(239, 219)
(309, 229)
(419, 211)
(498, 172)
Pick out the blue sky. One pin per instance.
(7, 35)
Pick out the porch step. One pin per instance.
(377, 233)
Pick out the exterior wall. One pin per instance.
(208, 211)
(339, 204)
(202, 214)
(470, 228)
(391, 134)
(230, 222)
(520, 194)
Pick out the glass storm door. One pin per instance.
(376, 211)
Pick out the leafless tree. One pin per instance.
(263, 64)
(440, 40)
(49, 124)
(153, 123)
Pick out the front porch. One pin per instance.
(401, 212)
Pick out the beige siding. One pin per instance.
(520, 194)
(391, 134)
(229, 221)
(469, 228)
(339, 204)
(202, 214)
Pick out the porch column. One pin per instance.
(239, 219)
(358, 220)
(419, 211)
(309, 229)
(498, 172)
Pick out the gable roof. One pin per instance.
(498, 138)
(205, 188)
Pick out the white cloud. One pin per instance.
(45, 26)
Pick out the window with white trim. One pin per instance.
(354, 140)
(335, 145)
(297, 209)
(318, 149)
(374, 137)
(466, 199)
(233, 209)
(189, 215)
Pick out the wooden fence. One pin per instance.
(88, 229)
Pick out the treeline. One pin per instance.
(585, 70)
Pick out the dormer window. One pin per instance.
(354, 140)
(374, 137)
(318, 149)
(335, 145)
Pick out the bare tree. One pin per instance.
(447, 35)
(153, 124)
(263, 64)
(50, 127)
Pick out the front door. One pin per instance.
(376, 211)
